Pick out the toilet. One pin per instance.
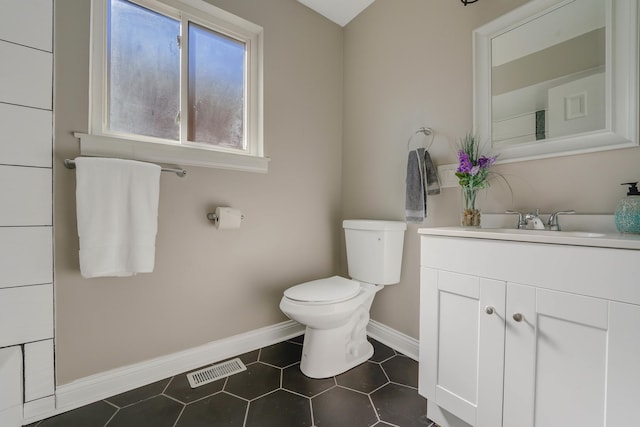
(335, 310)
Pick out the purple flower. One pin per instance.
(485, 162)
(465, 165)
(474, 170)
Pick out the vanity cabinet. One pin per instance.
(509, 340)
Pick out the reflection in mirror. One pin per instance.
(548, 75)
(558, 77)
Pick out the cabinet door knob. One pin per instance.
(518, 317)
(489, 310)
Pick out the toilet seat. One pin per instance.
(324, 291)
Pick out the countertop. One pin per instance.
(572, 238)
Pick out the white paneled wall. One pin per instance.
(26, 315)
(18, 147)
(11, 390)
(26, 76)
(26, 225)
(25, 256)
(27, 23)
(38, 370)
(26, 196)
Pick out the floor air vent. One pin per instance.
(215, 372)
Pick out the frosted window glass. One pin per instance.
(216, 88)
(143, 68)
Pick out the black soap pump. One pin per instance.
(627, 214)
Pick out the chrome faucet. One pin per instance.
(529, 220)
(533, 220)
(553, 223)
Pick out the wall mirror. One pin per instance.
(558, 77)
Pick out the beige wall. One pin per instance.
(208, 284)
(408, 63)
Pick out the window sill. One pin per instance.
(108, 146)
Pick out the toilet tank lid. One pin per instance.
(371, 224)
(330, 289)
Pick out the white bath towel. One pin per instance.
(117, 207)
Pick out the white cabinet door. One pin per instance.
(623, 370)
(563, 359)
(461, 367)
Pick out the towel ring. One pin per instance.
(427, 132)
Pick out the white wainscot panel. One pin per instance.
(39, 409)
(11, 386)
(38, 370)
(26, 136)
(27, 22)
(26, 196)
(26, 314)
(25, 256)
(26, 76)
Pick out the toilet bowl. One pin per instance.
(335, 310)
(335, 338)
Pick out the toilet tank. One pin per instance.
(374, 250)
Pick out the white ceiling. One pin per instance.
(339, 11)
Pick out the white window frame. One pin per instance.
(100, 142)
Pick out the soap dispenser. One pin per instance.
(628, 211)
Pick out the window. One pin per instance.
(143, 72)
(176, 81)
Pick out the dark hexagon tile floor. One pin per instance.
(95, 414)
(365, 378)
(343, 407)
(221, 409)
(271, 392)
(280, 408)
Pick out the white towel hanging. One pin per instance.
(117, 208)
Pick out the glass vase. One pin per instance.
(470, 212)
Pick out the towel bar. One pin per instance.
(71, 164)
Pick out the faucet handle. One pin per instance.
(553, 223)
(522, 222)
(532, 215)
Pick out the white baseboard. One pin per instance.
(394, 339)
(100, 386)
(105, 384)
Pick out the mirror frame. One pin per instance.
(621, 80)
